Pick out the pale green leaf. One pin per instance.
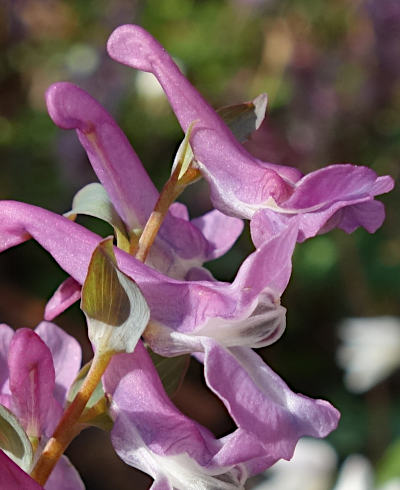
(244, 119)
(93, 200)
(115, 309)
(14, 441)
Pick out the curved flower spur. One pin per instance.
(339, 195)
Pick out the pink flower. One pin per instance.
(243, 186)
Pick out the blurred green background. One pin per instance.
(331, 69)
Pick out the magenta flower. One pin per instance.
(37, 369)
(243, 186)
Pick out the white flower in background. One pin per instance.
(312, 467)
(355, 474)
(370, 350)
(391, 485)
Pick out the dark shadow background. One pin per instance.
(331, 69)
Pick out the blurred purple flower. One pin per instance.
(337, 195)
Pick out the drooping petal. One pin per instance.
(13, 478)
(151, 434)
(64, 477)
(32, 381)
(67, 293)
(270, 417)
(66, 354)
(171, 302)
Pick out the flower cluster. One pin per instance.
(157, 267)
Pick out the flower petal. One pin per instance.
(67, 293)
(220, 231)
(112, 157)
(6, 334)
(64, 477)
(221, 157)
(13, 478)
(32, 381)
(66, 354)
(151, 434)
(270, 417)
(241, 184)
(265, 271)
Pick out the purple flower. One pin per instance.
(188, 316)
(190, 312)
(246, 312)
(37, 368)
(181, 244)
(151, 434)
(242, 186)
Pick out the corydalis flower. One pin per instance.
(188, 308)
(37, 369)
(241, 185)
(151, 434)
(269, 416)
(181, 244)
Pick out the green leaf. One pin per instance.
(389, 466)
(14, 441)
(93, 200)
(115, 309)
(96, 411)
(244, 119)
(171, 370)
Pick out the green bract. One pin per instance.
(115, 309)
(14, 440)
